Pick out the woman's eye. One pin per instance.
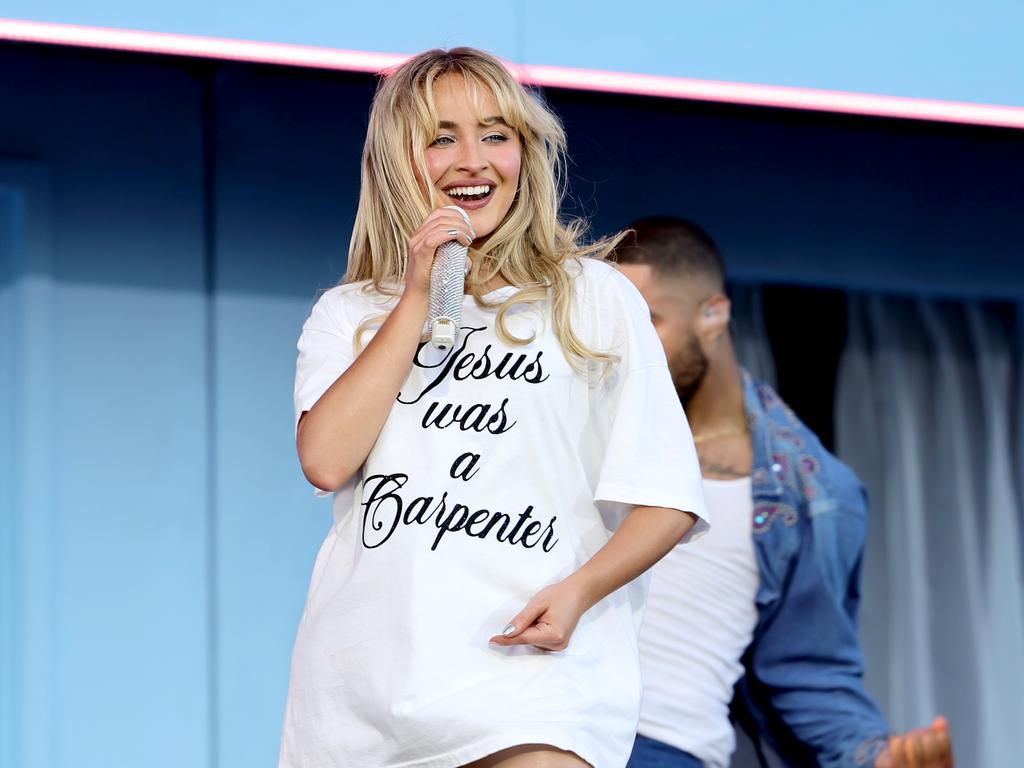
(442, 140)
(496, 137)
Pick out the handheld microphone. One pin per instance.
(447, 289)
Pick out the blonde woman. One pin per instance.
(476, 600)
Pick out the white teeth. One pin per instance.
(466, 191)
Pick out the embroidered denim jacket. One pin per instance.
(804, 669)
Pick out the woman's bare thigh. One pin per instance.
(531, 756)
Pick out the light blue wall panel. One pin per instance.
(10, 676)
(285, 195)
(131, 456)
(269, 526)
(113, 495)
(28, 516)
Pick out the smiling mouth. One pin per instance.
(470, 194)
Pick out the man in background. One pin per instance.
(769, 597)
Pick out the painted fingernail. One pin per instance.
(508, 630)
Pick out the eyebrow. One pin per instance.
(485, 122)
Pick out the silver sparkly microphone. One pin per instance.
(447, 279)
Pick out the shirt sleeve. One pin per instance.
(648, 454)
(325, 352)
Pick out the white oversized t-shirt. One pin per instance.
(499, 470)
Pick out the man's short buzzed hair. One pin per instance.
(673, 247)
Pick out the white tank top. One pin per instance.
(700, 618)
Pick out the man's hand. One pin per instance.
(920, 748)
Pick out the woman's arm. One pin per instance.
(335, 436)
(644, 537)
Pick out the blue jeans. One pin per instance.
(648, 753)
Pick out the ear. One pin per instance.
(713, 319)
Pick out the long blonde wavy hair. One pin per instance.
(529, 247)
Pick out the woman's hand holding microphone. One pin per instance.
(441, 226)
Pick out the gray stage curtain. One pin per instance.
(748, 332)
(930, 414)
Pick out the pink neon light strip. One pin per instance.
(547, 76)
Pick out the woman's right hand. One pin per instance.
(435, 231)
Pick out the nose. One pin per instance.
(470, 159)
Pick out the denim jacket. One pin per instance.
(804, 684)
